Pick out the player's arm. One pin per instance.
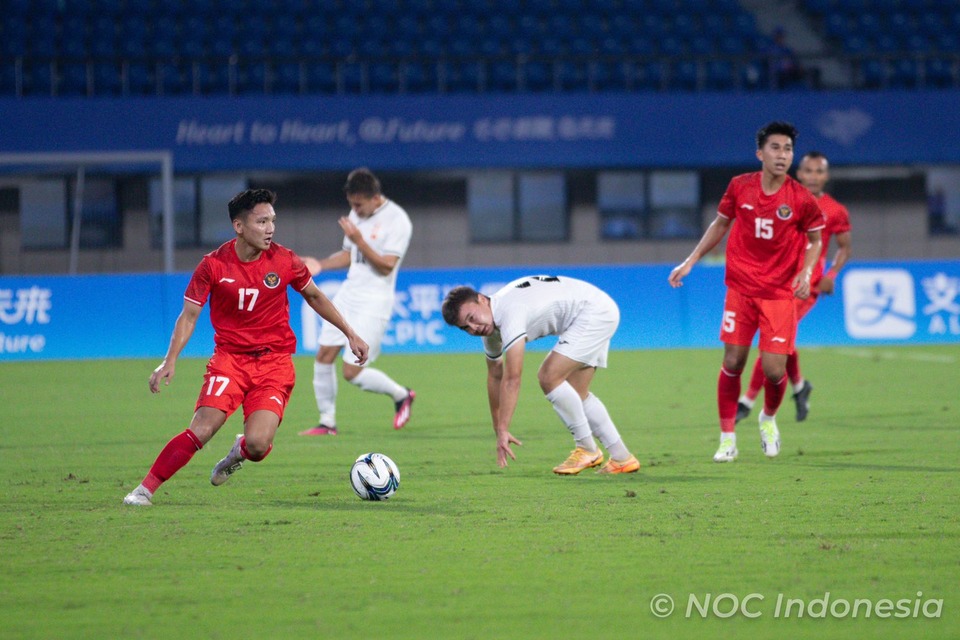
(338, 260)
(801, 283)
(711, 238)
(383, 264)
(503, 389)
(325, 309)
(182, 330)
(839, 260)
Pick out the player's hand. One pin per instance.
(360, 349)
(163, 372)
(825, 285)
(312, 264)
(504, 440)
(349, 229)
(801, 285)
(679, 273)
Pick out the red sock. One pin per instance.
(174, 457)
(728, 392)
(756, 380)
(246, 454)
(793, 367)
(773, 395)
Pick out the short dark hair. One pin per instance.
(362, 182)
(454, 300)
(815, 155)
(777, 127)
(245, 201)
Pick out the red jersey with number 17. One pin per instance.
(767, 241)
(249, 308)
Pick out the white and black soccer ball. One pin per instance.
(374, 476)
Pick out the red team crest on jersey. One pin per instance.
(272, 280)
(784, 212)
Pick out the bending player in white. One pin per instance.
(584, 319)
(376, 236)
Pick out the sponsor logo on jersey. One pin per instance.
(227, 280)
(272, 280)
(748, 207)
(784, 212)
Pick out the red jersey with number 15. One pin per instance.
(249, 308)
(767, 235)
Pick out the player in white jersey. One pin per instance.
(584, 319)
(376, 236)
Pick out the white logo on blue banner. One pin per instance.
(879, 303)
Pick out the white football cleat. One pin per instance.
(728, 449)
(226, 467)
(139, 497)
(769, 436)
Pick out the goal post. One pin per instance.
(82, 160)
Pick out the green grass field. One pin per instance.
(863, 503)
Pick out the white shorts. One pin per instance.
(368, 327)
(587, 340)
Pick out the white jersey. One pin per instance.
(388, 232)
(536, 306)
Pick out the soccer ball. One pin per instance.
(374, 476)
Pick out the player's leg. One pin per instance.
(737, 328)
(177, 453)
(367, 378)
(778, 331)
(602, 426)
(801, 387)
(747, 400)
(568, 405)
(263, 405)
(325, 389)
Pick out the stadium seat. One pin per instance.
(352, 77)
(572, 76)
(719, 75)
(174, 79)
(139, 80)
(38, 79)
(252, 78)
(647, 76)
(684, 75)
(904, 74)
(287, 78)
(212, 78)
(419, 77)
(384, 78)
(608, 76)
(502, 77)
(873, 74)
(939, 72)
(321, 77)
(461, 77)
(755, 74)
(537, 77)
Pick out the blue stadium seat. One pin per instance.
(286, 78)
(581, 46)
(592, 25)
(140, 80)
(868, 24)
(755, 75)
(855, 44)
(419, 77)
(671, 46)
(932, 23)
(904, 74)
(684, 75)
(491, 47)
(702, 45)
(502, 77)
(174, 79)
(610, 46)
(714, 24)
(640, 45)
(384, 78)
(212, 78)
(939, 72)
(73, 79)
(314, 47)
(107, 79)
(8, 79)
(461, 77)
(73, 46)
(38, 79)
(647, 76)
(608, 76)
(873, 73)
(572, 76)
(537, 77)
(720, 75)
(947, 43)
(352, 77)
(684, 25)
(321, 77)
(252, 78)
(898, 23)
(732, 45)
(887, 43)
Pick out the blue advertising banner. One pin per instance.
(120, 316)
(519, 131)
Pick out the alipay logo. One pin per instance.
(879, 303)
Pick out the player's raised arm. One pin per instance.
(182, 330)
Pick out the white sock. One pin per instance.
(765, 417)
(798, 385)
(603, 428)
(566, 402)
(732, 435)
(747, 401)
(325, 391)
(377, 381)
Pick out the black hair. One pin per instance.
(362, 182)
(245, 201)
(777, 127)
(456, 299)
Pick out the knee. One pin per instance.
(256, 449)
(733, 364)
(774, 372)
(547, 383)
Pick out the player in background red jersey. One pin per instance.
(813, 173)
(767, 213)
(246, 282)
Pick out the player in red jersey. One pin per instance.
(246, 281)
(813, 173)
(767, 213)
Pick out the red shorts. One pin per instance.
(804, 305)
(258, 383)
(776, 320)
